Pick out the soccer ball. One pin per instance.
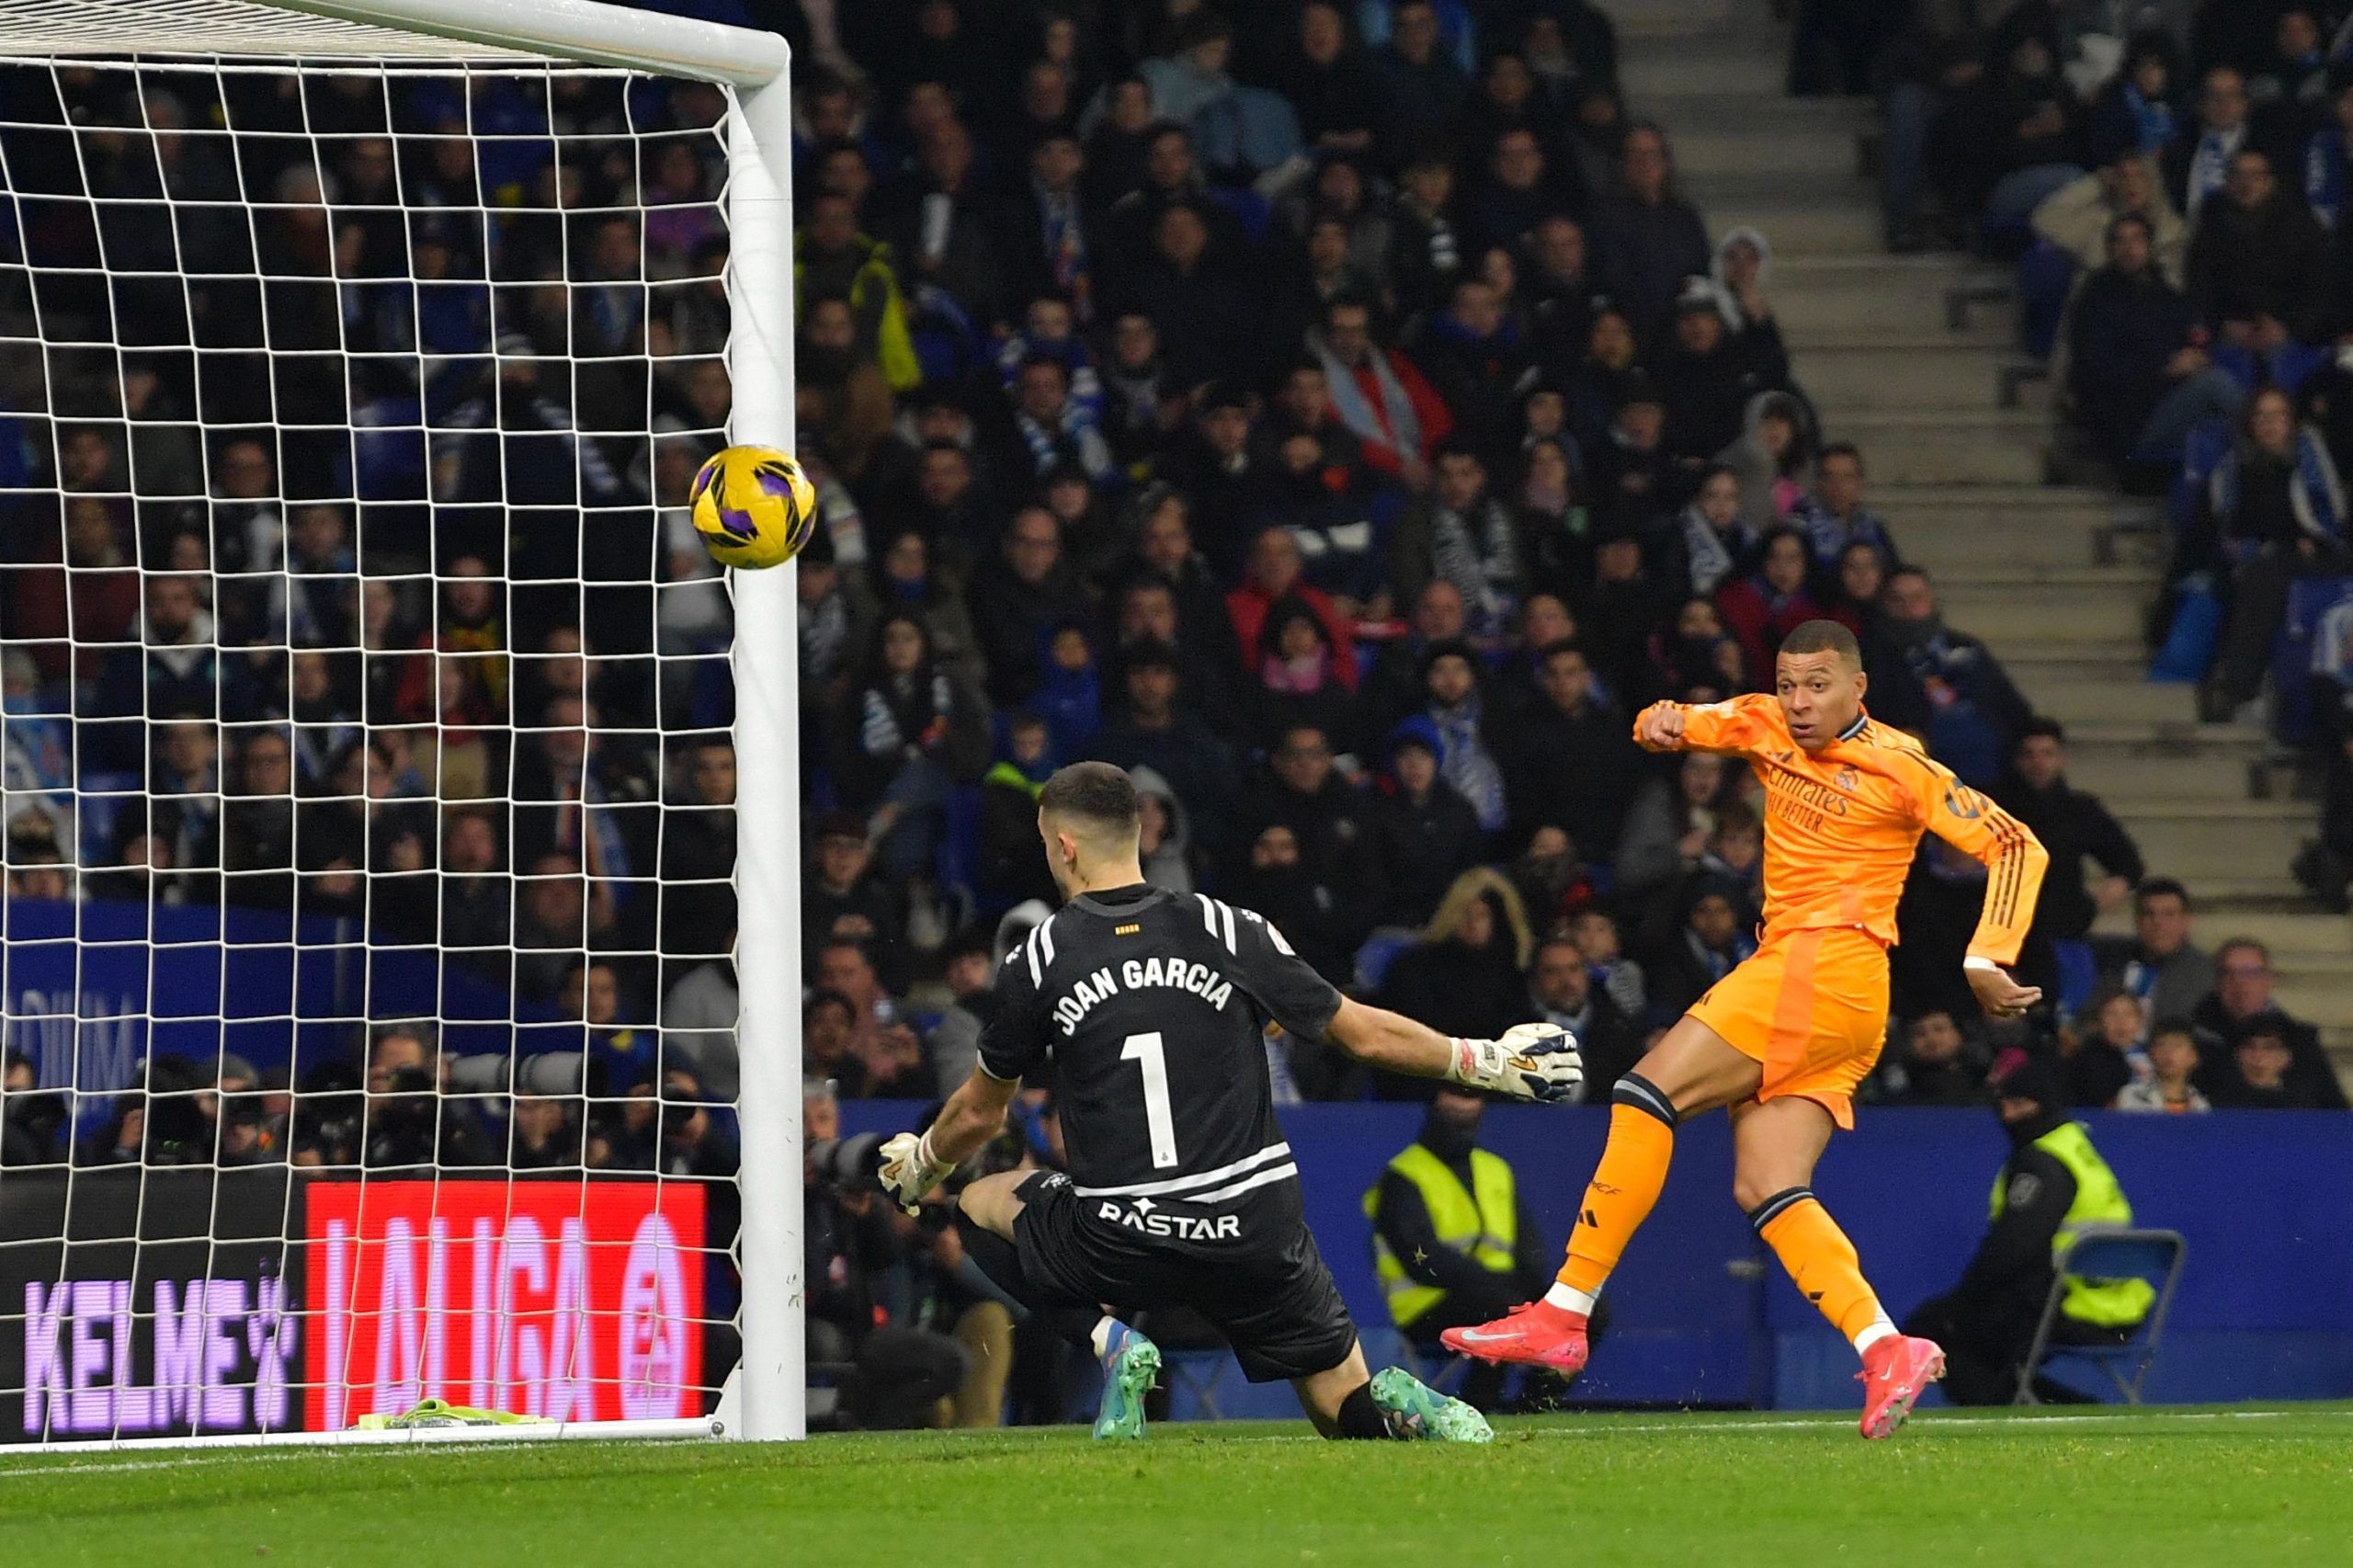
(753, 506)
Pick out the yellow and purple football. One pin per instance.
(753, 507)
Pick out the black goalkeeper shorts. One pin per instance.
(1273, 1300)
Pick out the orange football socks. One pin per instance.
(1624, 1186)
(1820, 1259)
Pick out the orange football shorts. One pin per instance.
(1811, 1007)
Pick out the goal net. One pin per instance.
(371, 995)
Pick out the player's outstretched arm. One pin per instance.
(1533, 1061)
(911, 1164)
(1731, 726)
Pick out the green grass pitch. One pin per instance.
(2151, 1489)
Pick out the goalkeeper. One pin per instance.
(1146, 1011)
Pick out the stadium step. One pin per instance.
(1666, 63)
(2037, 666)
(1823, 155)
(2218, 816)
(2326, 1001)
(2072, 701)
(2131, 762)
(1917, 371)
(2124, 659)
(1952, 541)
(2246, 743)
(2036, 497)
(2201, 852)
(1640, 20)
(1688, 114)
(2012, 603)
(2128, 774)
(1818, 297)
(1962, 453)
(1795, 225)
(1945, 528)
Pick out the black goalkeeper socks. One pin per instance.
(1360, 1417)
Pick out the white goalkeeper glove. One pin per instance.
(1531, 1061)
(910, 1169)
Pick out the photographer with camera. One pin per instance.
(674, 1126)
(893, 1375)
(411, 1119)
(32, 1124)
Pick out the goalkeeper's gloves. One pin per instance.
(909, 1169)
(1531, 1061)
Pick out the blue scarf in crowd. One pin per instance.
(2153, 121)
(2324, 175)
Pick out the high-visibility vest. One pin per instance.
(2099, 1200)
(1484, 1223)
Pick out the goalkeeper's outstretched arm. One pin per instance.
(1533, 1061)
(973, 1115)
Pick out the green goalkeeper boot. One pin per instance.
(1131, 1363)
(1416, 1410)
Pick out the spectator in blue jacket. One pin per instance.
(2274, 510)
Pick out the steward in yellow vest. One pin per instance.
(2053, 1185)
(1451, 1241)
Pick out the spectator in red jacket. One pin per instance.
(1379, 395)
(1273, 574)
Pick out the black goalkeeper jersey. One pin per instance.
(1146, 1011)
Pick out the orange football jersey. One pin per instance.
(1841, 825)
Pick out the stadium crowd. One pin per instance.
(2170, 180)
(1337, 415)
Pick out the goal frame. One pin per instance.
(765, 1398)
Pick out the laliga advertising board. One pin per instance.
(264, 1299)
(575, 1301)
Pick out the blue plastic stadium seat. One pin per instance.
(2078, 974)
(1380, 951)
(1247, 206)
(2046, 274)
(958, 861)
(2204, 448)
(2309, 599)
(103, 796)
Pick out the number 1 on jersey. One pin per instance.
(1144, 1050)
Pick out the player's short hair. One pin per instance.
(1823, 637)
(1093, 792)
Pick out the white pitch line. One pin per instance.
(110, 1467)
(1603, 1426)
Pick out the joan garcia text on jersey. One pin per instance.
(1136, 974)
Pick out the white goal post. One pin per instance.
(765, 1399)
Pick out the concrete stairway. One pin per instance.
(2057, 579)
